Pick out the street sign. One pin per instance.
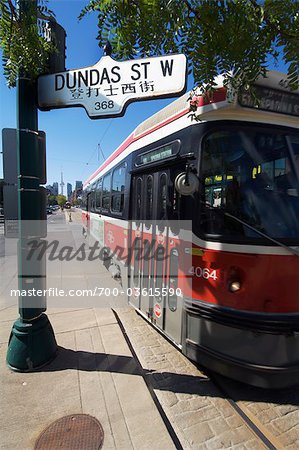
(106, 88)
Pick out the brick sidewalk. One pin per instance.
(200, 416)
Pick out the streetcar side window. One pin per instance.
(138, 200)
(106, 192)
(99, 194)
(118, 188)
(92, 198)
(149, 200)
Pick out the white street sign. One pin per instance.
(105, 89)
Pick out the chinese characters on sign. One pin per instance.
(106, 88)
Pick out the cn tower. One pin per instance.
(61, 184)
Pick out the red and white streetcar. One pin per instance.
(227, 295)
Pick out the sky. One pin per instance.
(72, 138)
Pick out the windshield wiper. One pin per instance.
(290, 249)
(280, 244)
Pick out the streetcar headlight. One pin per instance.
(234, 286)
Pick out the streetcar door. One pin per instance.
(142, 264)
(168, 238)
(156, 251)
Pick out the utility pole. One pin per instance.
(32, 342)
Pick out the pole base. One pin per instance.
(31, 344)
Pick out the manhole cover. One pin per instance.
(76, 432)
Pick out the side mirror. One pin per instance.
(186, 183)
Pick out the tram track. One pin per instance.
(270, 441)
(262, 434)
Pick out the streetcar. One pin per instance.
(212, 205)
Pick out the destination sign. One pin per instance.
(105, 89)
(158, 154)
(271, 100)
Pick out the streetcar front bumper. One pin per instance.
(255, 348)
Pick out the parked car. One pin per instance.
(49, 210)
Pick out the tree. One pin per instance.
(23, 44)
(61, 200)
(52, 200)
(230, 37)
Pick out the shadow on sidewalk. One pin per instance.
(165, 381)
(91, 362)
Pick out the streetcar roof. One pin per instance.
(216, 108)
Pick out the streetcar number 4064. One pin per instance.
(203, 272)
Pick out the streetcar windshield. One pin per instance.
(250, 179)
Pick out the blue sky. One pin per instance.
(72, 137)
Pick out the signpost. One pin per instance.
(106, 88)
(32, 342)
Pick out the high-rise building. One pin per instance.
(50, 190)
(78, 189)
(55, 188)
(79, 186)
(69, 190)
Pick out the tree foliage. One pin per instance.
(61, 200)
(218, 36)
(24, 48)
(227, 37)
(52, 200)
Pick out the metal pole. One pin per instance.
(32, 342)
